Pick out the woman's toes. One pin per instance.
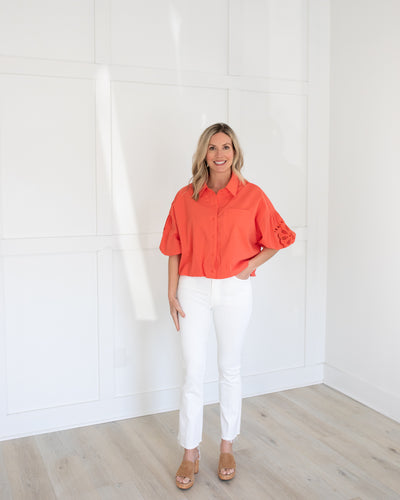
(227, 471)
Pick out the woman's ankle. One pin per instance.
(226, 446)
(192, 454)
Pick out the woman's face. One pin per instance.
(220, 153)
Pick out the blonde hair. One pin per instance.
(200, 171)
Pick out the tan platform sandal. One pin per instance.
(187, 469)
(226, 461)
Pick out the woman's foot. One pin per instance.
(226, 466)
(187, 469)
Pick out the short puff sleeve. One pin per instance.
(272, 232)
(170, 242)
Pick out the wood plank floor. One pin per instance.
(307, 443)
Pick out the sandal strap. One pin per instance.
(226, 461)
(186, 469)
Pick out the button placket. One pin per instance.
(214, 237)
(217, 237)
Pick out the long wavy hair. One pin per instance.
(200, 171)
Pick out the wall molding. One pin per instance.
(19, 66)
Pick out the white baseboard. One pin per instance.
(90, 413)
(265, 383)
(362, 391)
(44, 420)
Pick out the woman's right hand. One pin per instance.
(175, 310)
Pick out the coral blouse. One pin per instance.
(217, 234)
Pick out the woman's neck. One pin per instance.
(218, 181)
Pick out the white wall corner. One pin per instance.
(362, 391)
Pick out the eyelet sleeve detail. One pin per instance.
(283, 234)
(272, 230)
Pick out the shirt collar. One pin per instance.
(232, 185)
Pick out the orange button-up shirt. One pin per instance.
(219, 233)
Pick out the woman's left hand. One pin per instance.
(263, 256)
(244, 275)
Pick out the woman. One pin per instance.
(220, 228)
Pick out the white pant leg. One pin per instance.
(194, 295)
(232, 306)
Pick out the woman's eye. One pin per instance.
(227, 147)
(211, 148)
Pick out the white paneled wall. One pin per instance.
(272, 39)
(51, 330)
(101, 106)
(180, 35)
(48, 156)
(59, 30)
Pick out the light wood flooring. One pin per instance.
(307, 443)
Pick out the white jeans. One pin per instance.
(228, 302)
